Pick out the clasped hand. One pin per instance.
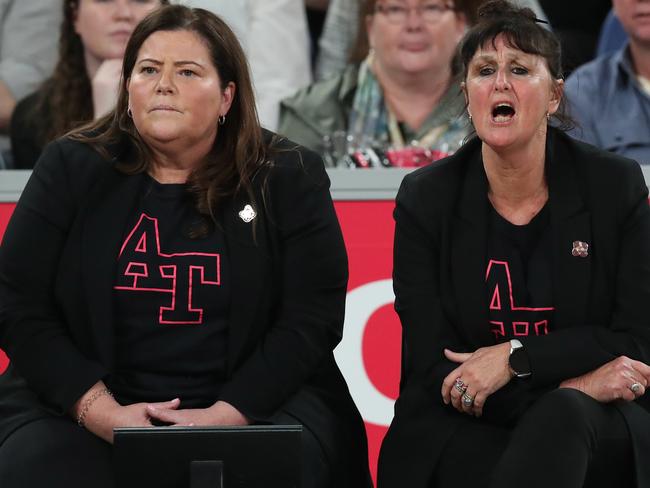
(107, 414)
(482, 372)
(221, 413)
(105, 86)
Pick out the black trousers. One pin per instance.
(565, 440)
(57, 453)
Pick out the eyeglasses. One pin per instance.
(397, 13)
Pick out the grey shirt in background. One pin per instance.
(275, 39)
(29, 33)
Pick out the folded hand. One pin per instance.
(481, 373)
(221, 413)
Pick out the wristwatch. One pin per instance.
(518, 361)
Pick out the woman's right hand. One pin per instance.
(613, 380)
(105, 87)
(105, 413)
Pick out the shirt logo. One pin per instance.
(524, 320)
(145, 268)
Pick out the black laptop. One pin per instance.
(255, 456)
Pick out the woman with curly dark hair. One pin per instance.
(84, 84)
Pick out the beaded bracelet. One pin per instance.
(88, 403)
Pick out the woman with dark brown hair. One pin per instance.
(173, 263)
(522, 282)
(85, 81)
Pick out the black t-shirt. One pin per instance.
(518, 277)
(172, 298)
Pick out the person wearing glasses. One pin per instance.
(403, 94)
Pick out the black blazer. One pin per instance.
(602, 302)
(57, 266)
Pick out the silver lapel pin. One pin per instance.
(580, 249)
(247, 214)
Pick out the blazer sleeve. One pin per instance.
(311, 278)
(582, 348)
(33, 331)
(426, 331)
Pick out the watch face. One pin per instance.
(519, 362)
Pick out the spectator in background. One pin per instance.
(86, 77)
(339, 37)
(27, 52)
(610, 96)
(612, 35)
(276, 41)
(404, 94)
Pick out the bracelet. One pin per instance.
(88, 403)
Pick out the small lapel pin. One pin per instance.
(580, 249)
(247, 214)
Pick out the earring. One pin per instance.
(470, 117)
(222, 119)
(129, 113)
(548, 116)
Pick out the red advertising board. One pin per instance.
(369, 353)
(5, 212)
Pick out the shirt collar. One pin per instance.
(623, 59)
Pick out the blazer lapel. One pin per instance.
(107, 212)
(248, 258)
(570, 222)
(468, 253)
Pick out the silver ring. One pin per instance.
(635, 387)
(468, 401)
(460, 386)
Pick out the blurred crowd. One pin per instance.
(366, 83)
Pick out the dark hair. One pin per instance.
(521, 30)
(67, 95)
(238, 151)
(468, 8)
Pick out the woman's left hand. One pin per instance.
(613, 380)
(482, 373)
(221, 413)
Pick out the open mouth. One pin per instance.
(502, 112)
